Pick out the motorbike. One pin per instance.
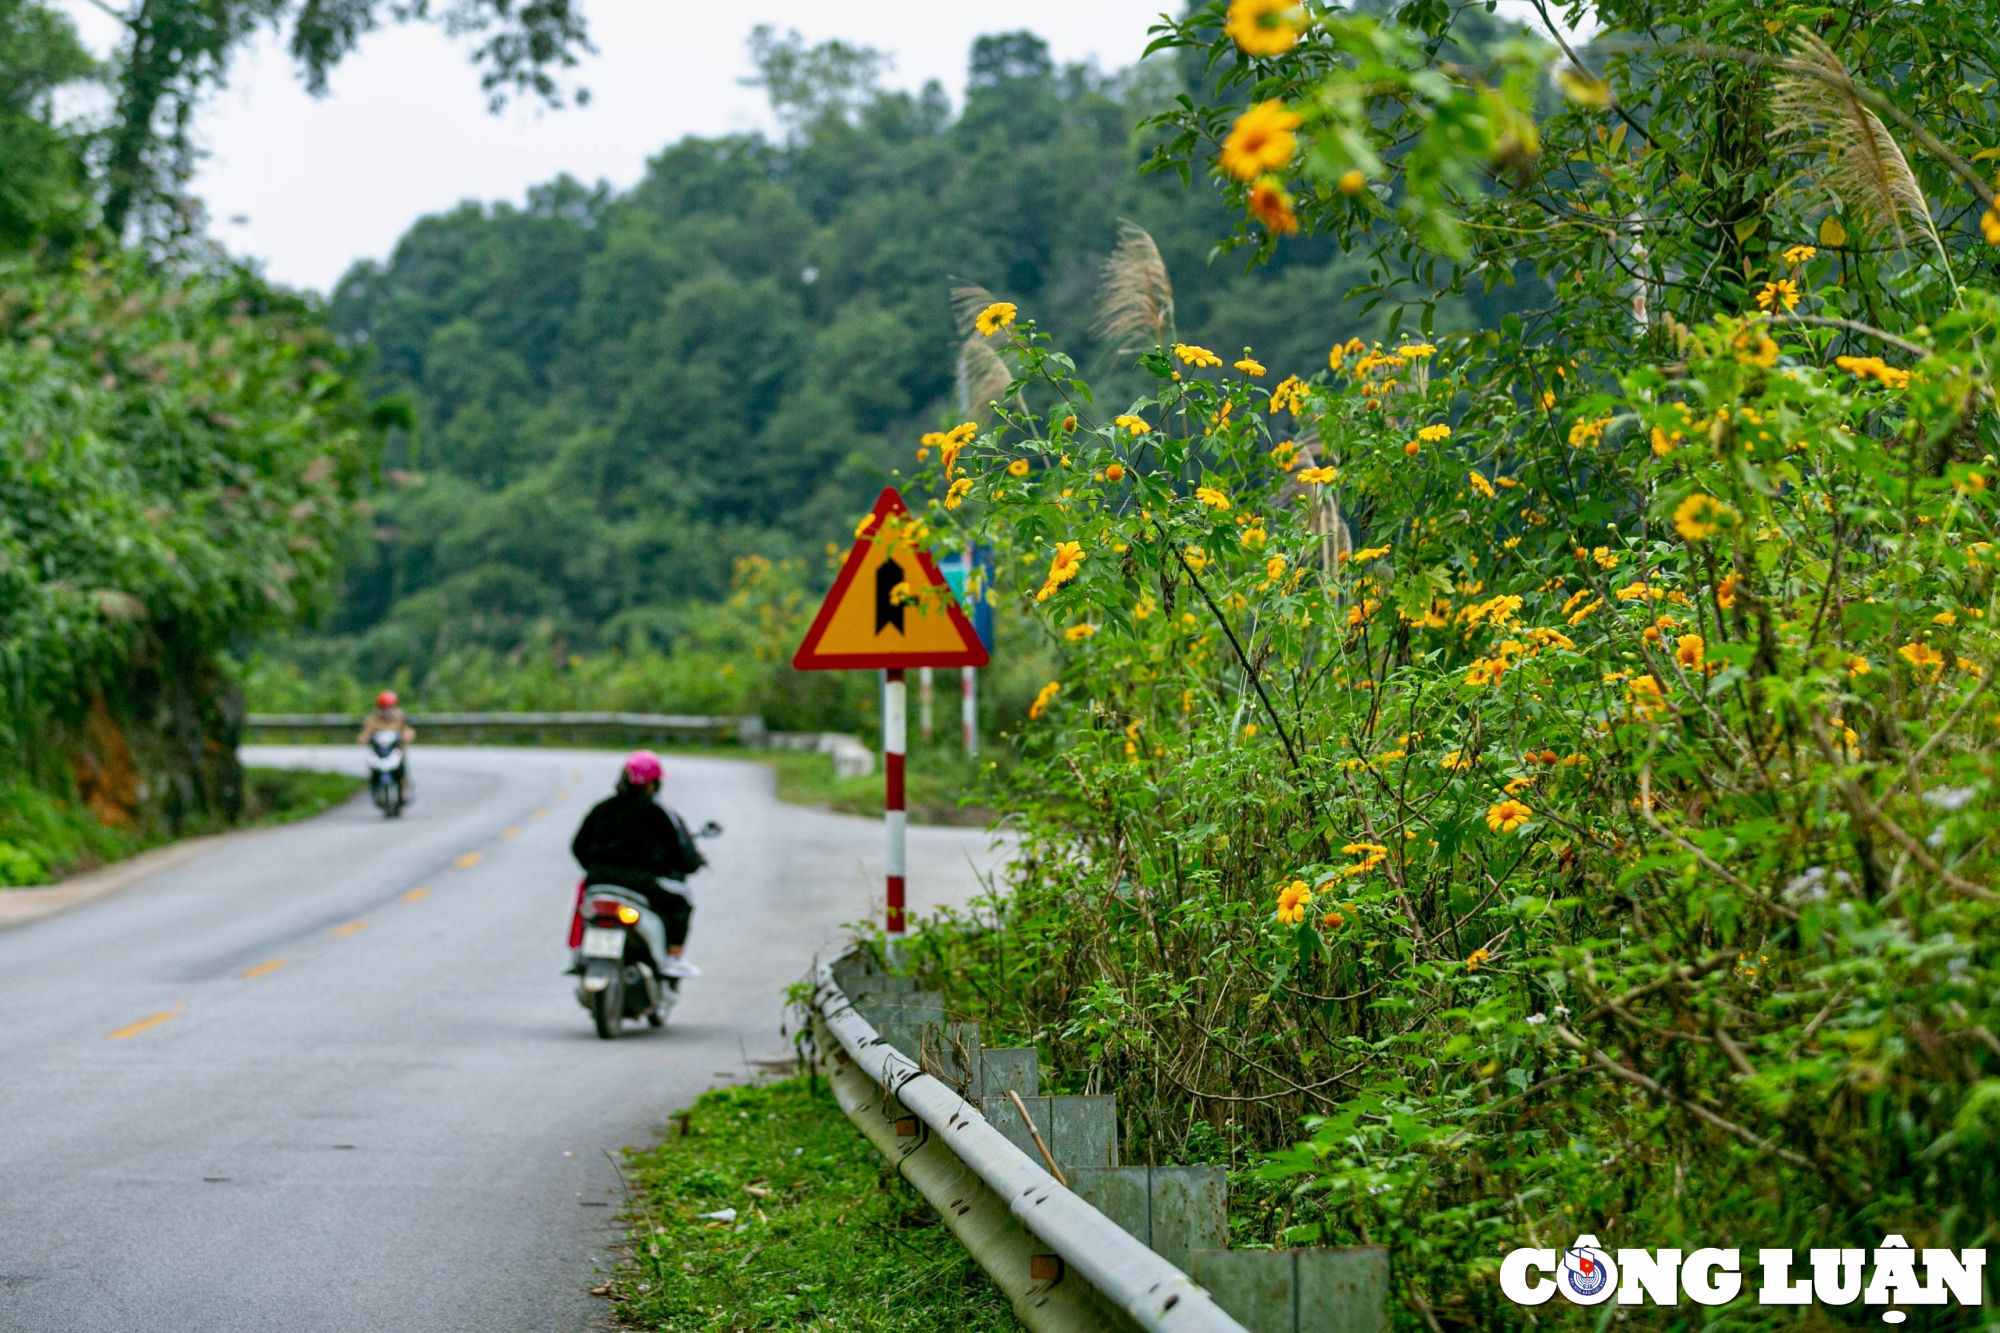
(616, 944)
(385, 772)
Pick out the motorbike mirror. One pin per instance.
(710, 829)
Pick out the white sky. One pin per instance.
(308, 185)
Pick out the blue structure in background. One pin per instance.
(956, 570)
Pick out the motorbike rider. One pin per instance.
(389, 716)
(629, 839)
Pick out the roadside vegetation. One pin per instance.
(770, 1211)
(1538, 778)
(44, 838)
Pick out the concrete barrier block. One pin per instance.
(1008, 1069)
(1121, 1193)
(1190, 1211)
(1083, 1131)
(1344, 1290)
(1258, 1288)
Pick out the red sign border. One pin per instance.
(809, 658)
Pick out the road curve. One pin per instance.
(329, 1076)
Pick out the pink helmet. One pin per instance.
(642, 767)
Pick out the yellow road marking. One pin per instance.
(146, 1024)
(510, 833)
(418, 894)
(542, 813)
(469, 860)
(350, 928)
(264, 969)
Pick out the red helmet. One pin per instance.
(642, 767)
(386, 699)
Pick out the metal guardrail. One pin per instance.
(1063, 1264)
(748, 729)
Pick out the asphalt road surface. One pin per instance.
(330, 1077)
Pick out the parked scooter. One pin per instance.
(385, 772)
(616, 943)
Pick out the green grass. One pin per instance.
(44, 838)
(933, 784)
(833, 1242)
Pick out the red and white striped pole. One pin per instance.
(894, 742)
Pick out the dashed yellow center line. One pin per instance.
(418, 894)
(146, 1024)
(542, 813)
(470, 859)
(264, 969)
(350, 928)
(510, 833)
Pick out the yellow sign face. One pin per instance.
(889, 606)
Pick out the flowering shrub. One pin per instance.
(1554, 817)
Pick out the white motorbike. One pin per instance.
(616, 958)
(386, 771)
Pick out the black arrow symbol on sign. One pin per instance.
(888, 610)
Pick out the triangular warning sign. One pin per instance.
(889, 607)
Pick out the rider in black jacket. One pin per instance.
(629, 839)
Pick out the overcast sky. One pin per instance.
(308, 185)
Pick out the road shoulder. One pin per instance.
(20, 907)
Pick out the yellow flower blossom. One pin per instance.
(1131, 423)
(1251, 366)
(1475, 958)
(1254, 536)
(1197, 559)
(1292, 900)
(1857, 666)
(1290, 395)
(1784, 292)
(1211, 497)
(1923, 658)
(1018, 468)
(1274, 567)
(1691, 652)
(1648, 700)
(1698, 517)
(1341, 351)
(955, 495)
(1261, 140)
(1063, 567)
(1518, 785)
(1875, 368)
(1043, 698)
(1270, 205)
(1725, 592)
(1114, 472)
(1318, 476)
(999, 315)
(1353, 182)
(1799, 254)
(1432, 434)
(1196, 356)
(1506, 816)
(1369, 553)
(1585, 434)
(1480, 484)
(1945, 618)
(1264, 27)
(1078, 633)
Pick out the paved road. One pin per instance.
(329, 1076)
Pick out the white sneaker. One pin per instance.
(678, 967)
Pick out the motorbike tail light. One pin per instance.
(628, 914)
(605, 909)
